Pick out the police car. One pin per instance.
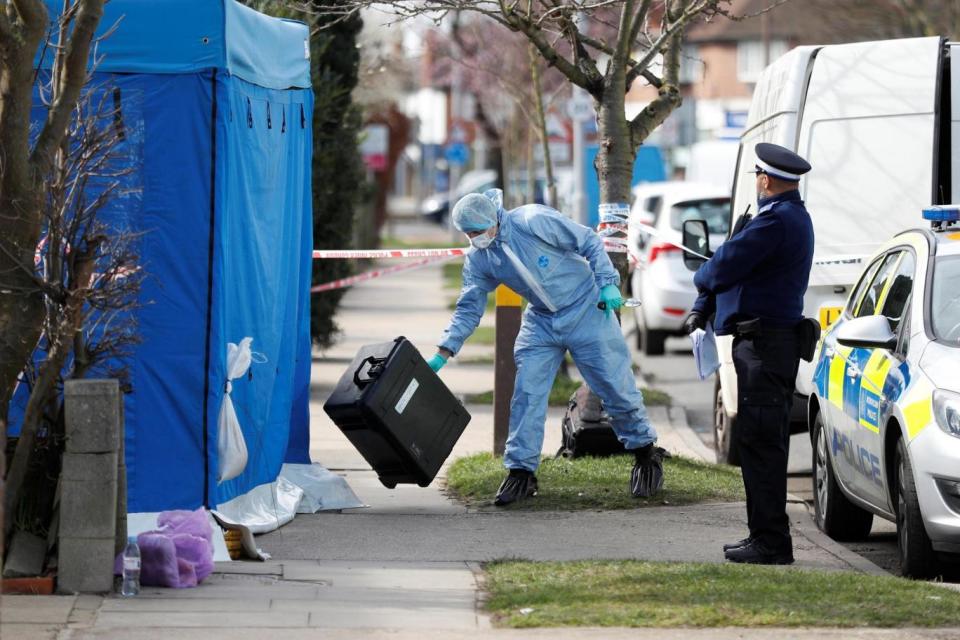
(885, 413)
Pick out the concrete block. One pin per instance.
(26, 556)
(86, 565)
(90, 467)
(93, 415)
(88, 509)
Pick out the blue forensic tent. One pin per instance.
(216, 104)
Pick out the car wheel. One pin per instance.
(836, 516)
(917, 557)
(724, 443)
(654, 342)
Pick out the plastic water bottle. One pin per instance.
(131, 569)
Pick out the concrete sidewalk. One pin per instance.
(409, 563)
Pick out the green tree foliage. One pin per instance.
(338, 173)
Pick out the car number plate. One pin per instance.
(828, 315)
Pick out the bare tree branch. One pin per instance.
(549, 53)
(639, 20)
(70, 81)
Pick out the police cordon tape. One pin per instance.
(357, 254)
(429, 256)
(376, 273)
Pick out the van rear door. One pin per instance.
(868, 127)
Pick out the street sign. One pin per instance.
(457, 153)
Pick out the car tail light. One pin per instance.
(661, 248)
(674, 311)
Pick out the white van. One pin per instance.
(879, 123)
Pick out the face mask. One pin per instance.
(483, 240)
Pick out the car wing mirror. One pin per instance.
(696, 237)
(868, 332)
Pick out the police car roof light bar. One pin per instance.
(942, 215)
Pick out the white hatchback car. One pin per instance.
(885, 413)
(660, 280)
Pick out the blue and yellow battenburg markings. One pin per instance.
(871, 390)
(865, 397)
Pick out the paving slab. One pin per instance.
(249, 567)
(384, 574)
(16, 631)
(142, 604)
(231, 586)
(209, 620)
(36, 609)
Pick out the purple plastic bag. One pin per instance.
(177, 555)
(196, 523)
(188, 575)
(158, 561)
(195, 550)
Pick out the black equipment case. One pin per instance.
(397, 412)
(587, 429)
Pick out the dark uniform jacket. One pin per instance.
(763, 270)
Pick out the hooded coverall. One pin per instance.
(559, 267)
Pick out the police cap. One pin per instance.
(780, 162)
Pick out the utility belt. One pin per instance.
(807, 333)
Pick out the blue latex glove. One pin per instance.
(610, 296)
(436, 362)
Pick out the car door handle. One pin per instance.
(829, 351)
(853, 370)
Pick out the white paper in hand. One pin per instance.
(705, 351)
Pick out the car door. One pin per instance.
(845, 377)
(881, 379)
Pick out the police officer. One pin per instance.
(754, 284)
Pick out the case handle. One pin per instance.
(376, 368)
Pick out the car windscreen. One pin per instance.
(716, 211)
(945, 299)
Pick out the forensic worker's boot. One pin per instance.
(736, 545)
(646, 478)
(518, 485)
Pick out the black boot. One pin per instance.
(736, 545)
(518, 485)
(758, 553)
(646, 478)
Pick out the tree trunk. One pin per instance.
(21, 301)
(60, 347)
(614, 161)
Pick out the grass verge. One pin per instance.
(476, 359)
(483, 336)
(594, 483)
(453, 274)
(653, 594)
(491, 303)
(563, 388)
